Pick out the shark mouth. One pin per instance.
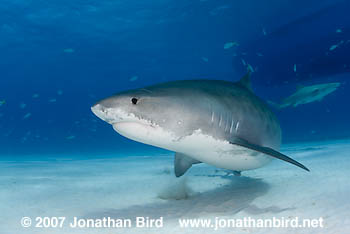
(137, 128)
(117, 116)
(146, 132)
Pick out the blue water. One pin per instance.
(59, 57)
(70, 54)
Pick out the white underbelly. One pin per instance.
(220, 153)
(204, 148)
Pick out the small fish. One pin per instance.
(53, 100)
(259, 54)
(339, 31)
(70, 137)
(2, 102)
(264, 31)
(133, 78)
(68, 50)
(205, 59)
(59, 92)
(35, 95)
(333, 47)
(228, 45)
(22, 105)
(219, 10)
(295, 68)
(250, 68)
(26, 116)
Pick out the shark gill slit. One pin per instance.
(231, 125)
(228, 122)
(237, 125)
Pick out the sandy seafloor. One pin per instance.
(125, 187)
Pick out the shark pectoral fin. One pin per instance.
(182, 163)
(268, 151)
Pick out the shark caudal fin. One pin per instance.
(268, 151)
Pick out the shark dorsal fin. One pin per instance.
(245, 81)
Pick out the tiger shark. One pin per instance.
(307, 94)
(220, 123)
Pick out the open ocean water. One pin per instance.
(57, 159)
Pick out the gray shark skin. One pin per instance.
(216, 122)
(307, 94)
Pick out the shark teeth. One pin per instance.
(122, 116)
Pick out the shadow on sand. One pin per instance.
(226, 200)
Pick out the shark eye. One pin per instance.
(134, 101)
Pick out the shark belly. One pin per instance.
(199, 146)
(220, 153)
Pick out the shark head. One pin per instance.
(326, 88)
(158, 115)
(319, 91)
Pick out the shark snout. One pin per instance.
(100, 111)
(107, 114)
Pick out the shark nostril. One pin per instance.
(95, 106)
(102, 112)
(98, 108)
